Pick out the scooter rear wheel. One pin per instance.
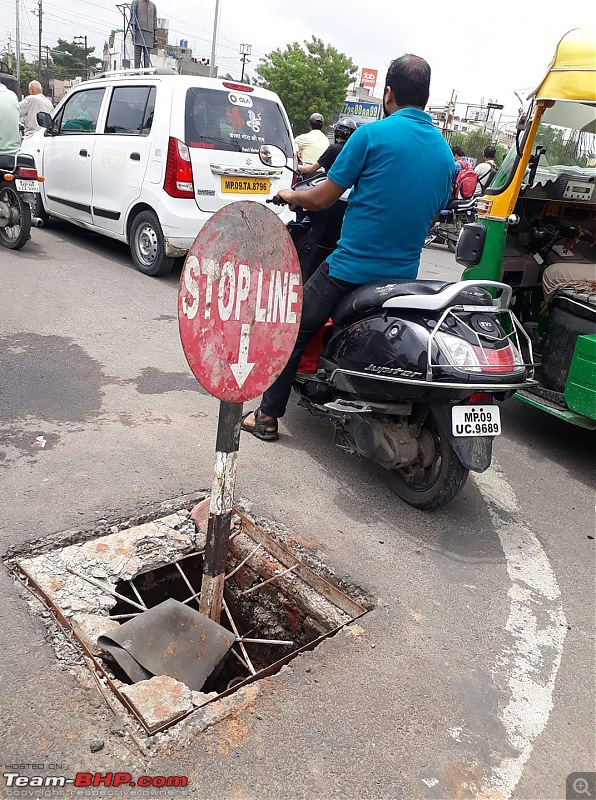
(435, 485)
(15, 235)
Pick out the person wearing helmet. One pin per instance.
(343, 130)
(312, 144)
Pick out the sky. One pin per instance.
(501, 48)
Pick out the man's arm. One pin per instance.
(309, 169)
(24, 107)
(316, 199)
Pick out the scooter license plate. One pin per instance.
(26, 186)
(476, 420)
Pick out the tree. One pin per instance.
(473, 144)
(308, 78)
(72, 60)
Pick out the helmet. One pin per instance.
(345, 128)
(317, 119)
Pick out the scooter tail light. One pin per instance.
(27, 173)
(502, 360)
(480, 398)
(179, 178)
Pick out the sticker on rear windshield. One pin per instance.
(240, 100)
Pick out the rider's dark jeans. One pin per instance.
(320, 296)
(7, 162)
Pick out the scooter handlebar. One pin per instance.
(277, 201)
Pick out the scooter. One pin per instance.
(452, 219)
(19, 187)
(408, 372)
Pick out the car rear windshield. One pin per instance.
(235, 121)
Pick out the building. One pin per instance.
(118, 53)
(60, 88)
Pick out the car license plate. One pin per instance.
(26, 186)
(231, 184)
(475, 420)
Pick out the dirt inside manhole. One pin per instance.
(270, 594)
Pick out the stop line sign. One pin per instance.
(240, 301)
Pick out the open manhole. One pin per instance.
(276, 606)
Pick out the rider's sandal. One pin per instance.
(262, 429)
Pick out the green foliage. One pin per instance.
(69, 60)
(568, 148)
(473, 144)
(308, 78)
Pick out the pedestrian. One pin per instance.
(312, 144)
(30, 105)
(486, 170)
(10, 141)
(400, 169)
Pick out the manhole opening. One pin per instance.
(266, 614)
(275, 604)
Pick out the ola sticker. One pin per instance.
(240, 100)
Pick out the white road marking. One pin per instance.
(455, 732)
(430, 782)
(537, 627)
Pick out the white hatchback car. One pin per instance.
(147, 157)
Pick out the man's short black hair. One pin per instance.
(409, 79)
(490, 151)
(316, 125)
(457, 151)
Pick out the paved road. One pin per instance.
(475, 675)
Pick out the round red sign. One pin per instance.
(240, 301)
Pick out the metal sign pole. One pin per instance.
(220, 510)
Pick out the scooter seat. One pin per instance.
(373, 295)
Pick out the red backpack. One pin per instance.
(465, 183)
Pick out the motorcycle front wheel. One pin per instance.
(17, 232)
(433, 484)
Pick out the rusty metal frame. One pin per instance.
(318, 584)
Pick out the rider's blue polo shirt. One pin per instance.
(400, 169)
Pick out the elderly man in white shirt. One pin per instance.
(28, 108)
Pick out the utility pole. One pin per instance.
(245, 50)
(212, 67)
(449, 112)
(84, 39)
(40, 15)
(18, 34)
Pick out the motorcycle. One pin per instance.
(452, 219)
(19, 187)
(408, 373)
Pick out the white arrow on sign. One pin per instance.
(243, 368)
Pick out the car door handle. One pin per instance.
(135, 156)
(84, 153)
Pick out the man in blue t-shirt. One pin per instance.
(400, 171)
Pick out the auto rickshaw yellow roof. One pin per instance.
(572, 72)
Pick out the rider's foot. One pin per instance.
(260, 425)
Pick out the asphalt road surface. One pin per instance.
(474, 677)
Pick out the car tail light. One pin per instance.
(238, 87)
(295, 173)
(178, 181)
(28, 173)
(473, 358)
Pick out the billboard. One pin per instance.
(368, 77)
(357, 108)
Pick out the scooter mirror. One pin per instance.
(272, 156)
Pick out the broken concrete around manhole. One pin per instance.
(276, 607)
